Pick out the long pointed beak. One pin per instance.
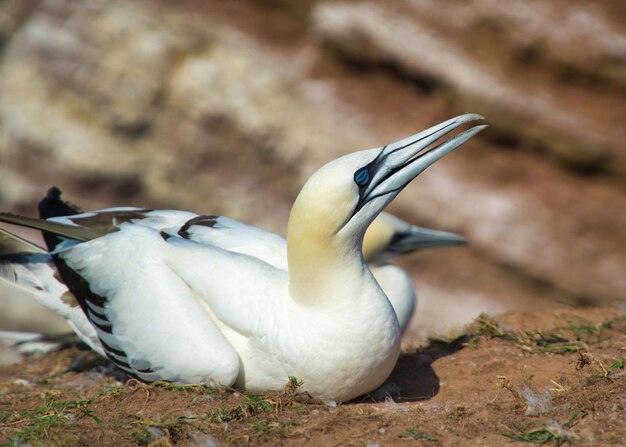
(400, 162)
(417, 238)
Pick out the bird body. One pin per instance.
(166, 305)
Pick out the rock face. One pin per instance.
(116, 92)
(401, 37)
(227, 109)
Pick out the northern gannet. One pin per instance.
(388, 237)
(168, 304)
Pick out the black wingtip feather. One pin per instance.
(53, 206)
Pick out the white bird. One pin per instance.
(170, 300)
(388, 237)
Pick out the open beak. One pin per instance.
(400, 162)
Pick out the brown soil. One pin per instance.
(524, 378)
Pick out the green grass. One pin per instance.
(264, 427)
(109, 390)
(572, 420)
(40, 421)
(548, 343)
(538, 436)
(141, 435)
(618, 364)
(488, 327)
(222, 415)
(583, 329)
(545, 434)
(251, 405)
(576, 337)
(417, 434)
(5, 416)
(293, 383)
(196, 388)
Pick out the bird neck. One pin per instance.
(323, 266)
(377, 237)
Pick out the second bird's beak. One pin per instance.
(417, 238)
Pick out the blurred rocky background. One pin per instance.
(226, 107)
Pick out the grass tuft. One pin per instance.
(264, 427)
(618, 364)
(488, 326)
(222, 415)
(251, 405)
(552, 433)
(141, 435)
(293, 384)
(196, 388)
(576, 337)
(40, 420)
(416, 434)
(538, 436)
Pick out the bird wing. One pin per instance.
(31, 268)
(26, 266)
(159, 308)
(234, 236)
(238, 288)
(210, 230)
(150, 321)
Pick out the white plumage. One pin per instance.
(388, 237)
(171, 296)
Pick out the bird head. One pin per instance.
(343, 197)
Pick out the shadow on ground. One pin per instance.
(414, 379)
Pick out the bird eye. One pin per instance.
(361, 177)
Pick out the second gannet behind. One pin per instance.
(388, 237)
(166, 307)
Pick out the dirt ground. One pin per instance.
(549, 378)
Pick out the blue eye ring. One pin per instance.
(362, 177)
